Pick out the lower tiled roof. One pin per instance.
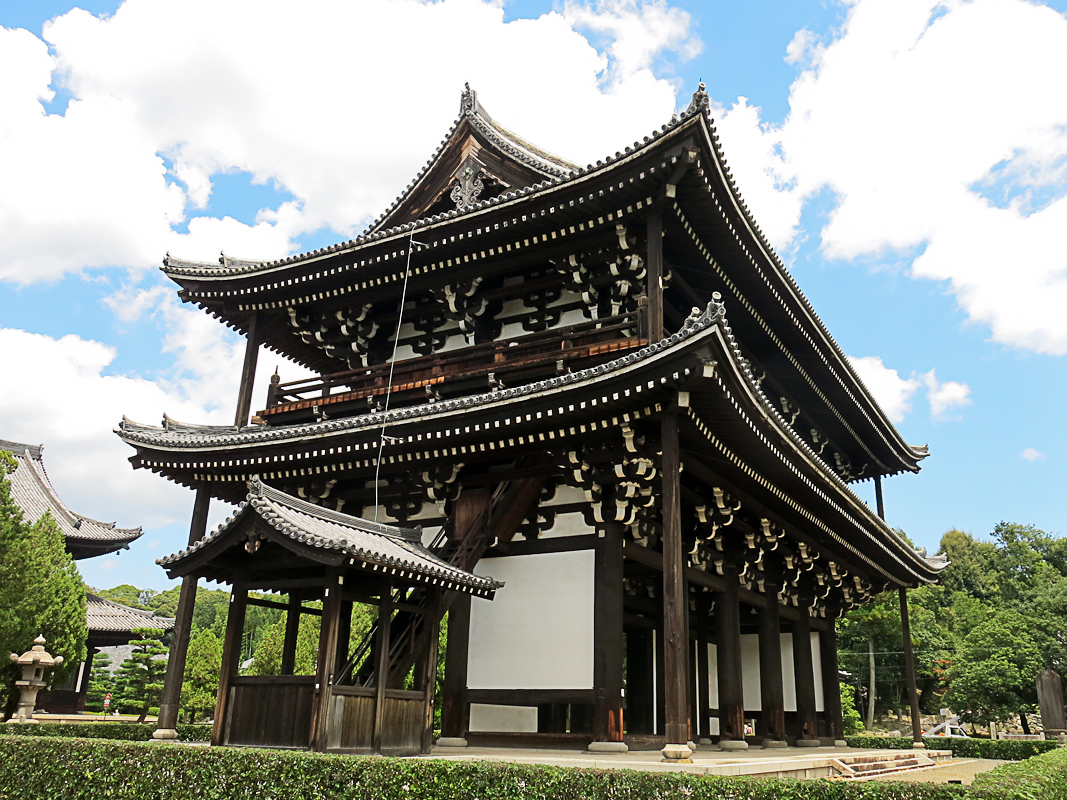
(105, 616)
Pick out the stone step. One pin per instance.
(880, 764)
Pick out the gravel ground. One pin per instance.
(963, 770)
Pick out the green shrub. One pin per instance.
(81, 769)
(126, 731)
(1042, 777)
(1004, 749)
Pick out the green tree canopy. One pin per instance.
(139, 681)
(203, 665)
(41, 592)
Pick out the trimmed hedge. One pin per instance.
(126, 731)
(82, 769)
(1004, 749)
(1042, 777)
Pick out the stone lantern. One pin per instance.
(33, 662)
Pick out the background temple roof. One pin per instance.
(34, 494)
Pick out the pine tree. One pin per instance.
(139, 681)
(100, 683)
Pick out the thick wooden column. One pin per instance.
(426, 667)
(909, 671)
(326, 663)
(804, 674)
(654, 269)
(248, 373)
(454, 701)
(772, 692)
(344, 635)
(179, 643)
(385, 624)
(831, 680)
(607, 637)
(728, 651)
(701, 724)
(292, 631)
(675, 607)
(231, 657)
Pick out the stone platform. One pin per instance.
(790, 762)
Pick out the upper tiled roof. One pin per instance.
(104, 616)
(34, 495)
(370, 542)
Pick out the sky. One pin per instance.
(906, 158)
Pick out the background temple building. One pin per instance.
(601, 387)
(109, 623)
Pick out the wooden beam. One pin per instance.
(385, 624)
(326, 664)
(454, 700)
(183, 623)
(728, 656)
(831, 681)
(654, 268)
(292, 630)
(878, 496)
(608, 635)
(426, 667)
(675, 602)
(520, 498)
(909, 669)
(804, 674)
(771, 722)
(231, 659)
(248, 372)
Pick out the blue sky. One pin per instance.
(921, 224)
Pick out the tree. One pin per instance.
(992, 677)
(129, 595)
(267, 659)
(203, 665)
(100, 683)
(140, 678)
(41, 592)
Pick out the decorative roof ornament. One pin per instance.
(700, 101)
(468, 186)
(468, 100)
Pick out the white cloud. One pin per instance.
(108, 563)
(1032, 454)
(288, 96)
(893, 393)
(941, 129)
(945, 396)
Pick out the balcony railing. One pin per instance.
(468, 370)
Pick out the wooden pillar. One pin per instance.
(426, 668)
(804, 673)
(878, 496)
(728, 652)
(640, 656)
(326, 663)
(231, 658)
(701, 724)
(344, 634)
(772, 691)
(179, 643)
(292, 631)
(909, 670)
(654, 269)
(385, 623)
(248, 372)
(607, 635)
(675, 605)
(831, 680)
(454, 699)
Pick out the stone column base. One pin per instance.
(733, 744)
(704, 742)
(608, 747)
(451, 741)
(164, 733)
(840, 743)
(919, 745)
(677, 754)
(808, 743)
(774, 743)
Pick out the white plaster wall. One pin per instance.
(538, 632)
(750, 681)
(750, 675)
(503, 719)
(572, 524)
(566, 495)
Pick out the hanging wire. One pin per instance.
(412, 244)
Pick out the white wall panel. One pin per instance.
(750, 671)
(572, 524)
(538, 632)
(503, 719)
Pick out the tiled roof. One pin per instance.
(399, 549)
(104, 616)
(34, 494)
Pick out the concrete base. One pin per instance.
(164, 733)
(705, 743)
(677, 754)
(691, 745)
(774, 743)
(451, 741)
(608, 747)
(919, 745)
(733, 744)
(840, 743)
(808, 743)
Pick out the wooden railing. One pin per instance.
(505, 362)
